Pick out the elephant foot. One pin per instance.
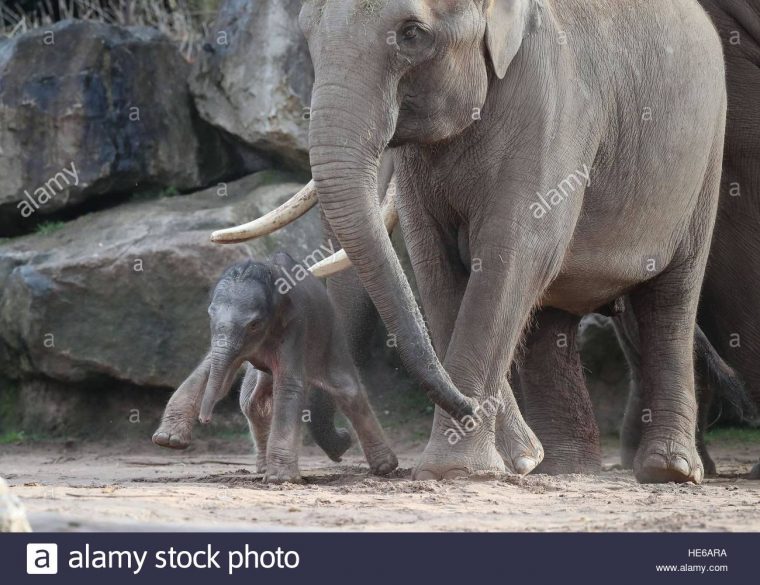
(663, 461)
(277, 474)
(382, 462)
(174, 433)
(755, 473)
(338, 444)
(518, 445)
(451, 455)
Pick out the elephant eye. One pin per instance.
(411, 32)
(414, 36)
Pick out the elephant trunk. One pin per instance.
(349, 132)
(224, 366)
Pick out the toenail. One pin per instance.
(680, 465)
(524, 465)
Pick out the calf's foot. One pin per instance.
(668, 460)
(335, 444)
(174, 433)
(382, 460)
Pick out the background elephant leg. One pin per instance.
(182, 410)
(256, 404)
(333, 441)
(705, 399)
(557, 403)
(627, 331)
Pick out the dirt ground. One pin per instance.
(77, 487)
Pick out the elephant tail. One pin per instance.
(333, 441)
(725, 383)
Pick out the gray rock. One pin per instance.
(255, 78)
(12, 515)
(122, 294)
(111, 105)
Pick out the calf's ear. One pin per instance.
(508, 22)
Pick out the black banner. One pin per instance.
(382, 559)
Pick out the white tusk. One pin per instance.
(286, 213)
(339, 261)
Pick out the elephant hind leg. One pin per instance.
(344, 387)
(333, 441)
(557, 404)
(712, 375)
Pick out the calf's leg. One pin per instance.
(285, 434)
(256, 404)
(182, 409)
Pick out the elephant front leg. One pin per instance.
(285, 435)
(182, 410)
(494, 311)
(557, 403)
(256, 404)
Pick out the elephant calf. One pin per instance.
(287, 330)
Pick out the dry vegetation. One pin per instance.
(184, 21)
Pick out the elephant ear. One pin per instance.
(508, 22)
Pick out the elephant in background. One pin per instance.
(730, 309)
(528, 176)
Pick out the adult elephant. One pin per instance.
(496, 111)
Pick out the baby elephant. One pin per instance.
(287, 330)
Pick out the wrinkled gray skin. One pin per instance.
(636, 95)
(292, 340)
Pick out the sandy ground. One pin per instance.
(84, 487)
